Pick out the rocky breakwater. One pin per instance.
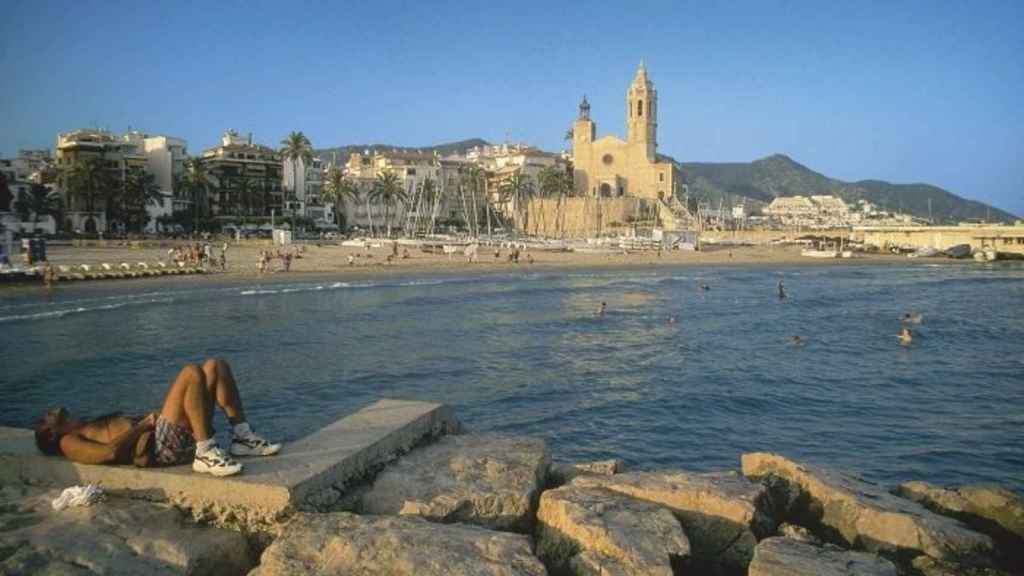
(841, 509)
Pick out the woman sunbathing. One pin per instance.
(181, 431)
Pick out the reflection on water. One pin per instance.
(527, 354)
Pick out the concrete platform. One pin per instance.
(310, 474)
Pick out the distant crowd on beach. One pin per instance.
(267, 258)
(199, 254)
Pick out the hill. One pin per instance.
(343, 152)
(778, 175)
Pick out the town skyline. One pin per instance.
(732, 90)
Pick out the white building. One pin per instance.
(165, 160)
(307, 184)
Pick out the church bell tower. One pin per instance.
(642, 113)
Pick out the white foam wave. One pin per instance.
(49, 314)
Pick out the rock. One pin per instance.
(112, 537)
(488, 480)
(993, 511)
(597, 531)
(787, 557)
(341, 543)
(850, 511)
(928, 566)
(794, 532)
(561, 472)
(721, 513)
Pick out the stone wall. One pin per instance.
(588, 216)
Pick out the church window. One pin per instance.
(607, 159)
(639, 107)
(606, 190)
(661, 177)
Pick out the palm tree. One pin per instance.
(140, 190)
(338, 188)
(388, 191)
(555, 182)
(196, 181)
(6, 198)
(519, 190)
(296, 147)
(87, 179)
(38, 201)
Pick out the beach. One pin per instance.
(331, 260)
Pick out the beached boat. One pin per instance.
(959, 251)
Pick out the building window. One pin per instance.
(607, 159)
(410, 171)
(639, 107)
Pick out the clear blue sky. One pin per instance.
(908, 92)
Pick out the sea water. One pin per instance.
(526, 353)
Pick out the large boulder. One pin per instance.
(484, 479)
(994, 511)
(847, 510)
(928, 566)
(346, 544)
(596, 531)
(723, 514)
(560, 473)
(779, 556)
(115, 536)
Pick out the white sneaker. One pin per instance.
(252, 445)
(215, 461)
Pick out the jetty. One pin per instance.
(399, 487)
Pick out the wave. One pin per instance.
(49, 314)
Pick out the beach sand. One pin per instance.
(331, 261)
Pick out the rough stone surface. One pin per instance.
(612, 533)
(561, 473)
(857, 514)
(800, 533)
(484, 479)
(787, 557)
(721, 513)
(115, 536)
(928, 566)
(994, 511)
(341, 543)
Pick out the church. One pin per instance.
(609, 167)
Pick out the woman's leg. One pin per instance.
(189, 402)
(220, 383)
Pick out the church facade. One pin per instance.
(609, 167)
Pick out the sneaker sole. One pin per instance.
(218, 472)
(268, 451)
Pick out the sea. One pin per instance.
(526, 353)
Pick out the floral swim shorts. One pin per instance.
(173, 443)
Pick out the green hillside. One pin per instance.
(343, 152)
(778, 175)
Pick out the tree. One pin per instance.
(296, 147)
(6, 198)
(388, 191)
(474, 179)
(87, 179)
(338, 188)
(36, 202)
(518, 190)
(140, 190)
(555, 182)
(197, 184)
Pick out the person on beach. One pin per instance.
(180, 432)
(224, 257)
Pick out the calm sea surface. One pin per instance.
(525, 354)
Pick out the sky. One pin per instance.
(900, 91)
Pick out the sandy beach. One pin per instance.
(329, 260)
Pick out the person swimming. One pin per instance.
(906, 336)
(782, 291)
(703, 286)
(600, 309)
(912, 318)
(670, 320)
(796, 341)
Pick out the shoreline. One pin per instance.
(331, 263)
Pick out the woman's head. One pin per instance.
(49, 430)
